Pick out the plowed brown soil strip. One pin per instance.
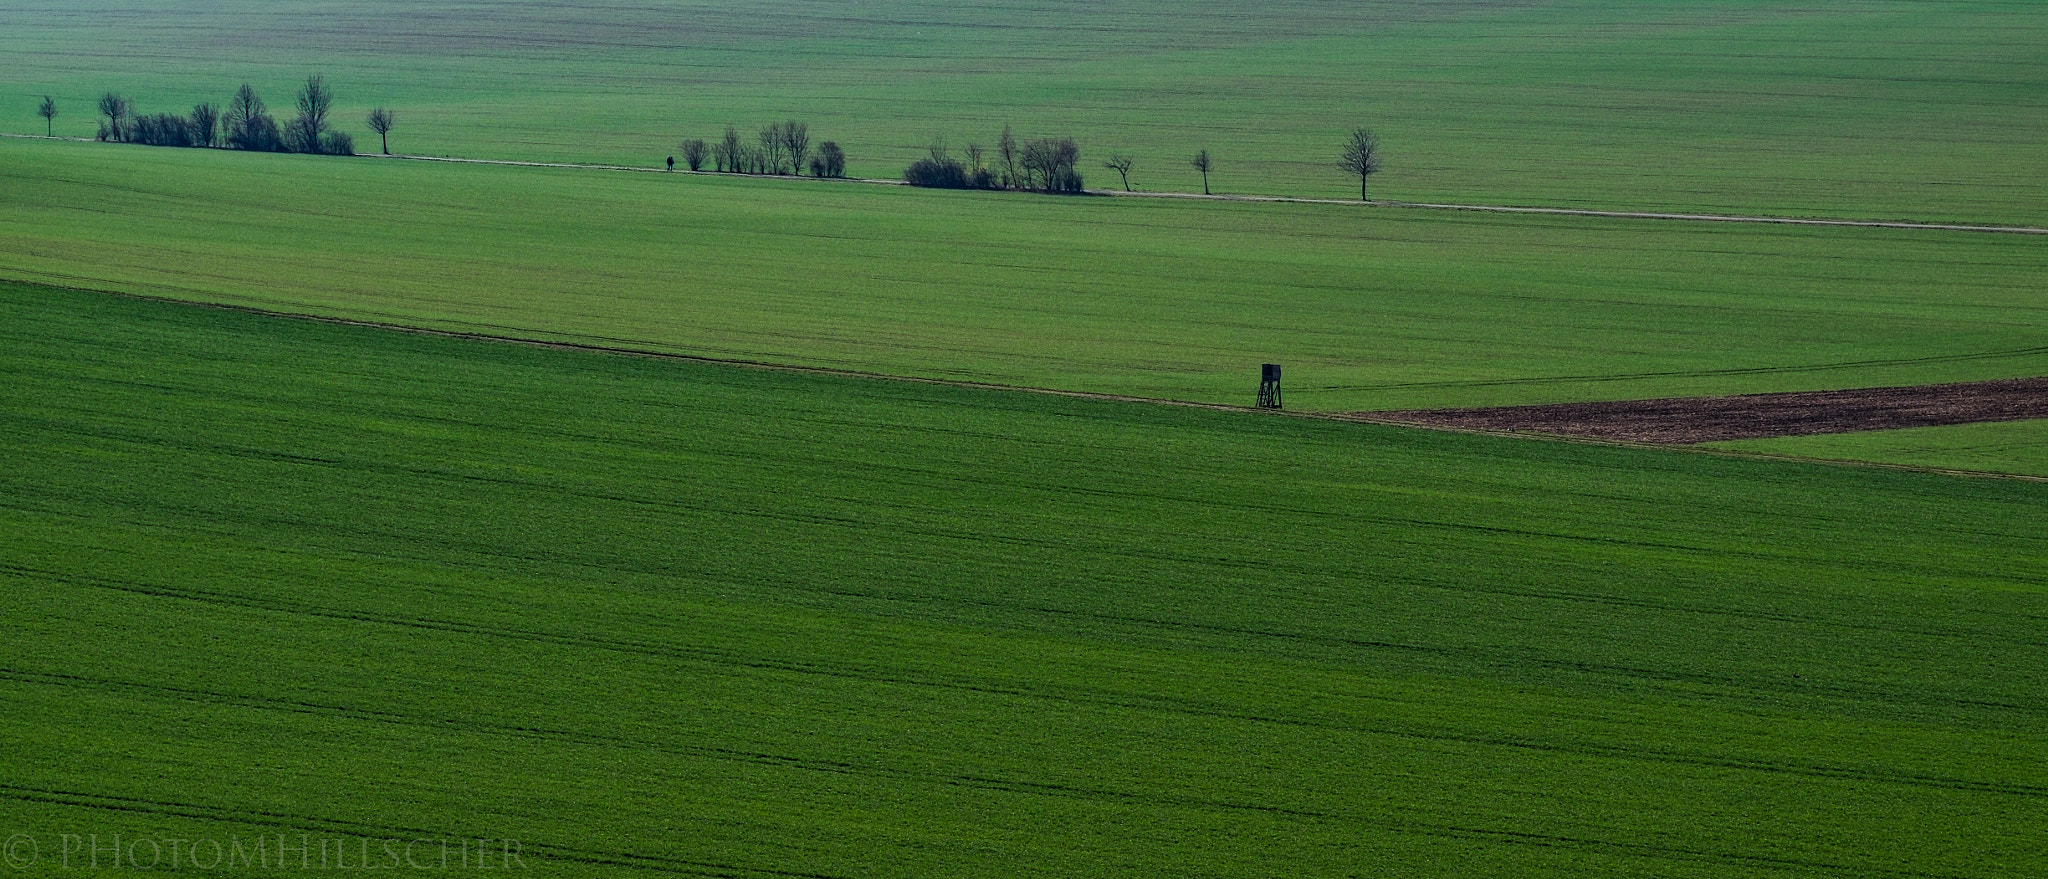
(1687, 420)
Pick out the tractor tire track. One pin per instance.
(1070, 695)
(679, 866)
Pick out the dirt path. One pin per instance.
(1280, 199)
(1689, 420)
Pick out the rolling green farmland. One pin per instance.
(1368, 308)
(266, 576)
(1890, 108)
(762, 609)
(1999, 447)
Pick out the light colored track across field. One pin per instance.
(1504, 209)
(1507, 209)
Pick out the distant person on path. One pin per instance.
(671, 163)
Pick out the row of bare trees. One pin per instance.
(1048, 164)
(244, 124)
(1044, 164)
(780, 148)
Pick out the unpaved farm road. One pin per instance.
(1283, 199)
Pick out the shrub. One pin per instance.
(940, 173)
(338, 143)
(162, 129)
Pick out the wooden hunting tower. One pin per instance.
(1269, 386)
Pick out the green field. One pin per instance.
(1366, 308)
(1883, 108)
(267, 576)
(1999, 447)
(270, 577)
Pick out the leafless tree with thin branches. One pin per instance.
(205, 124)
(1006, 153)
(1121, 164)
(381, 121)
(771, 148)
(796, 140)
(727, 152)
(1202, 164)
(303, 134)
(1361, 156)
(116, 109)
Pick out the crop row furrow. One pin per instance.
(811, 764)
(1088, 696)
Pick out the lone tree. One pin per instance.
(694, 151)
(48, 111)
(1121, 164)
(381, 121)
(1202, 164)
(1361, 156)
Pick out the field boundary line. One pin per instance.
(1288, 199)
(1354, 417)
(1250, 198)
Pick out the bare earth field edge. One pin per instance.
(1691, 420)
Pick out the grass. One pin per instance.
(1366, 308)
(267, 576)
(1895, 109)
(1999, 447)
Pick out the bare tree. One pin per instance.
(1049, 164)
(1361, 156)
(303, 134)
(1202, 164)
(1121, 164)
(205, 124)
(115, 108)
(48, 110)
(772, 148)
(381, 121)
(1006, 152)
(728, 151)
(246, 124)
(796, 140)
(694, 151)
